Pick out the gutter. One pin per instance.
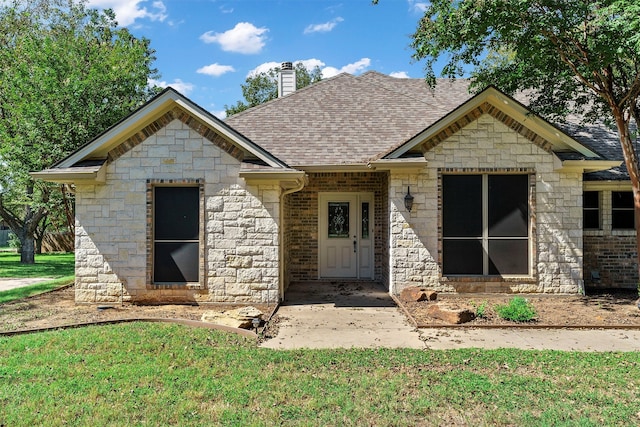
(73, 175)
(301, 182)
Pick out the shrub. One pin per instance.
(517, 310)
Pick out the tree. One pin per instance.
(66, 74)
(579, 56)
(262, 87)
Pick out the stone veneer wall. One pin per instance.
(486, 145)
(302, 250)
(239, 223)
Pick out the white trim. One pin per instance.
(158, 106)
(557, 138)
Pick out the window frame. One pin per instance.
(151, 283)
(597, 209)
(615, 210)
(486, 239)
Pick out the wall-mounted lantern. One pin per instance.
(408, 200)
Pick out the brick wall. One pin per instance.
(239, 223)
(488, 145)
(611, 253)
(302, 220)
(614, 257)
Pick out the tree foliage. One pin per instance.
(579, 56)
(262, 87)
(67, 73)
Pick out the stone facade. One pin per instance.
(488, 144)
(239, 242)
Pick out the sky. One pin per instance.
(206, 49)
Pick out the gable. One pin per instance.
(177, 113)
(87, 163)
(475, 114)
(569, 153)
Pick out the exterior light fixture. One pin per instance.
(255, 322)
(408, 200)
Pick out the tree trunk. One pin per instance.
(27, 252)
(631, 162)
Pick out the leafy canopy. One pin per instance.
(576, 56)
(66, 74)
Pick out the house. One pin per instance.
(356, 177)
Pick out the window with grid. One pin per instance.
(485, 225)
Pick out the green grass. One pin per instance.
(58, 267)
(46, 265)
(161, 374)
(38, 288)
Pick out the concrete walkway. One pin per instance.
(363, 315)
(533, 339)
(6, 284)
(338, 315)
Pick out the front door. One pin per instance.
(346, 235)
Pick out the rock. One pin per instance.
(416, 293)
(451, 314)
(238, 318)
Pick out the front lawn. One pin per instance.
(162, 374)
(46, 265)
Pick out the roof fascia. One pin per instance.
(404, 165)
(352, 167)
(80, 175)
(585, 166)
(151, 111)
(607, 185)
(509, 106)
(285, 179)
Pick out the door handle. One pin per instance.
(355, 243)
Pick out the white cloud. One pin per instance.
(400, 75)
(310, 64)
(263, 68)
(221, 114)
(243, 38)
(354, 68)
(127, 11)
(182, 87)
(215, 70)
(418, 6)
(323, 28)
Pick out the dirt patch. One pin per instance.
(617, 309)
(58, 308)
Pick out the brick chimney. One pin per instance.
(286, 79)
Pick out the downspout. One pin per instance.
(301, 183)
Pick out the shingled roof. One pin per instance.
(351, 120)
(346, 119)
